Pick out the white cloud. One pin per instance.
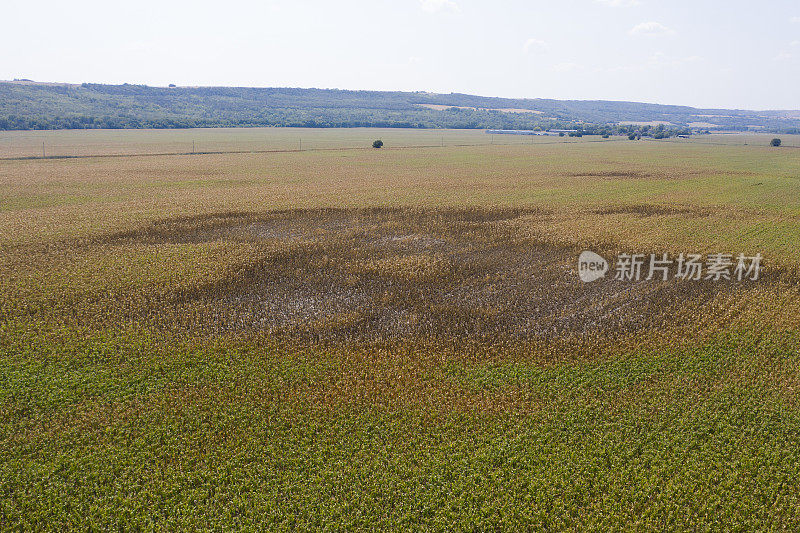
(796, 20)
(651, 29)
(535, 45)
(567, 67)
(436, 6)
(783, 56)
(794, 43)
(619, 3)
(660, 59)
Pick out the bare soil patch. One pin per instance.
(383, 274)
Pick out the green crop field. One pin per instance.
(351, 338)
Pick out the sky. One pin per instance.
(738, 54)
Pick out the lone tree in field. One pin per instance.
(377, 144)
(775, 142)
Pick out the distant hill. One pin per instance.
(29, 105)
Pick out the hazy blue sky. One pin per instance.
(711, 53)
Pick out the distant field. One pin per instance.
(392, 339)
(128, 142)
(105, 142)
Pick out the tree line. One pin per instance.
(25, 106)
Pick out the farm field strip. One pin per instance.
(81, 143)
(34, 144)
